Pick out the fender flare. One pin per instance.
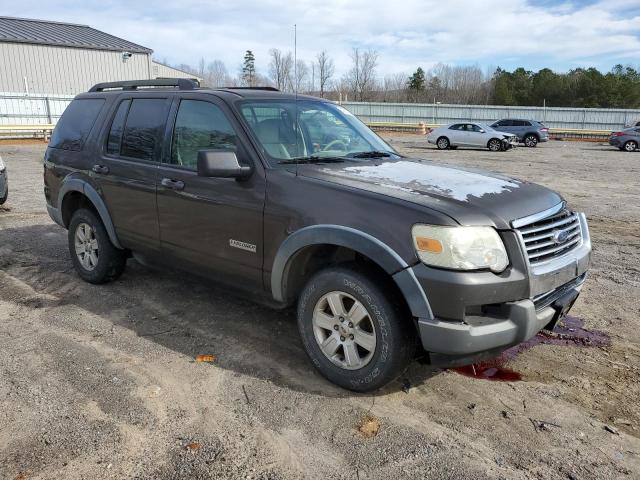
(361, 242)
(84, 187)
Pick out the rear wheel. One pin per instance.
(630, 146)
(495, 145)
(94, 257)
(530, 140)
(443, 143)
(354, 333)
(3, 199)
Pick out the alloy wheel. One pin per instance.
(86, 246)
(344, 331)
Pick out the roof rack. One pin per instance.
(180, 83)
(268, 89)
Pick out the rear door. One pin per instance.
(457, 134)
(211, 225)
(127, 168)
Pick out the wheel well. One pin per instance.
(71, 202)
(535, 134)
(443, 136)
(310, 260)
(492, 139)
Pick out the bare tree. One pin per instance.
(326, 69)
(395, 87)
(362, 75)
(280, 67)
(301, 75)
(216, 75)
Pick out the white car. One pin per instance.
(471, 135)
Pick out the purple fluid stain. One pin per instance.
(568, 332)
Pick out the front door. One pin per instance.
(213, 225)
(127, 167)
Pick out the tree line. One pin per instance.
(442, 83)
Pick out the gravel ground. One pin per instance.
(101, 382)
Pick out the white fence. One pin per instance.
(554, 117)
(18, 109)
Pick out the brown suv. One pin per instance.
(296, 202)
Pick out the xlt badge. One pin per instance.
(242, 245)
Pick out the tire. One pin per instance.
(387, 339)
(93, 255)
(530, 141)
(443, 143)
(495, 145)
(630, 146)
(4, 199)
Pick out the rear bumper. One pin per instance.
(615, 141)
(54, 213)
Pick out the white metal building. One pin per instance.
(39, 57)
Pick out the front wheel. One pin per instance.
(443, 143)
(354, 333)
(530, 141)
(495, 145)
(93, 255)
(630, 146)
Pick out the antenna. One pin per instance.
(295, 90)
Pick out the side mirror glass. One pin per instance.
(222, 164)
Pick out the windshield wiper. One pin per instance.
(312, 159)
(372, 154)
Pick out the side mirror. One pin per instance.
(482, 130)
(222, 164)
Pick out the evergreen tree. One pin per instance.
(416, 81)
(249, 69)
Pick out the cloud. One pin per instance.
(407, 34)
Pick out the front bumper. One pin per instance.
(480, 311)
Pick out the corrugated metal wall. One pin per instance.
(578, 118)
(64, 71)
(160, 70)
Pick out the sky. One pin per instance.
(407, 34)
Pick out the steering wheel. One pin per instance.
(335, 145)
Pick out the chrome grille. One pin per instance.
(552, 236)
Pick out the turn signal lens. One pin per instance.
(425, 244)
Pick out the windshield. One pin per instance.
(324, 131)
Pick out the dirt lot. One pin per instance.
(101, 382)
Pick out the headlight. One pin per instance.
(460, 248)
(2, 167)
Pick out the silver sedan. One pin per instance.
(471, 135)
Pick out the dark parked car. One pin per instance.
(384, 255)
(529, 132)
(627, 140)
(4, 182)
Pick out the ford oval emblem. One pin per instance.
(560, 236)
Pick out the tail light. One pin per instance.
(545, 129)
(617, 134)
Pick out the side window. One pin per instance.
(200, 125)
(76, 123)
(117, 126)
(457, 126)
(142, 129)
(525, 123)
(475, 128)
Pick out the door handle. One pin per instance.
(172, 184)
(100, 169)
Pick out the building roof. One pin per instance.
(44, 32)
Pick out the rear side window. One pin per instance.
(76, 123)
(117, 126)
(142, 129)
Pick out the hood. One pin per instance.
(471, 197)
